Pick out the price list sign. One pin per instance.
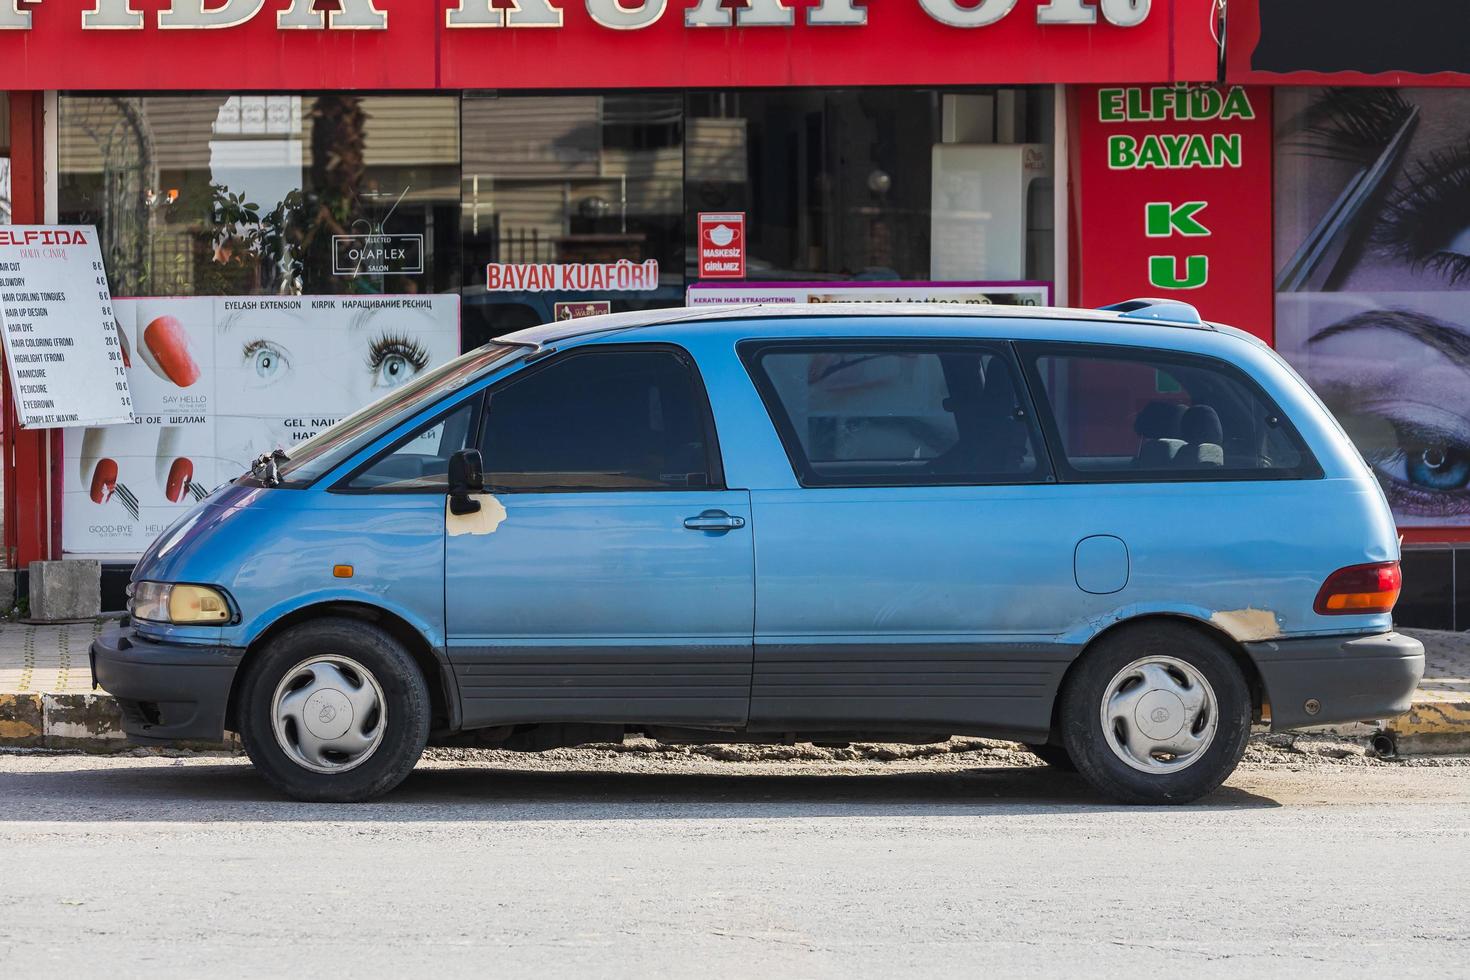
(66, 359)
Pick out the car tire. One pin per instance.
(334, 710)
(1054, 756)
(1157, 747)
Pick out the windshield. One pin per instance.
(308, 460)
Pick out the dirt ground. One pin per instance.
(646, 755)
(643, 755)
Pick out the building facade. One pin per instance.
(303, 203)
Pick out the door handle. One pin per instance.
(714, 520)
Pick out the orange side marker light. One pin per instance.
(342, 571)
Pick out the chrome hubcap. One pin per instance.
(329, 714)
(1159, 714)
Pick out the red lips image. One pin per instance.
(165, 347)
(104, 480)
(127, 355)
(179, 476)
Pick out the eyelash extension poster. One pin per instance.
(1373, 257)
(216, 381)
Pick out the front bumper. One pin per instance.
(167, 692)
(1349, 678)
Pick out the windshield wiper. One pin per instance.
(267, 467)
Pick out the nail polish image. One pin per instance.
(164, 347)
(104, 480)
(180, 475)
(127, 350)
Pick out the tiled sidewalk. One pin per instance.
(1440, 718)
(47, 659)
(46, 697)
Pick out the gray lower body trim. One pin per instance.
(672, 685)
(1351, 678)
(1001, 690)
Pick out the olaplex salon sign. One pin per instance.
(627, 15)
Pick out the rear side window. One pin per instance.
(1123, 414)
(615, 419)
(898, 414)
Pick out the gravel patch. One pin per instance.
(638, 754)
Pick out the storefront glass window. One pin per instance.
(581, 181)
(917, 185)
(211, 195)
(879, 184)
(277, 261)
(1373, 254)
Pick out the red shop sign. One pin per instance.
(722, 245)
(199, 45)
(1172, 194)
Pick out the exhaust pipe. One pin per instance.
(1385, 746)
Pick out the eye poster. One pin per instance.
(1372, 263)
(217, 381)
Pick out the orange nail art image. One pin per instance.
(164, 347)
(104, 480)
(179, 476)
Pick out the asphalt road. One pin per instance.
(183, 868)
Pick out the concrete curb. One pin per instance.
(78, 722)
(1432, 727)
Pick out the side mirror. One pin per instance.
(466, 476)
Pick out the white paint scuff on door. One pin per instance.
(1249, 624)
(484, 521)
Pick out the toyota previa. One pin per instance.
(1122, 537)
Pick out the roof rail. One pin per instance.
(1158, 310)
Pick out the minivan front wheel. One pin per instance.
(334, 710)
(1156, 714)
(329, 714)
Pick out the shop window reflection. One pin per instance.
(570, 179)
(878, 184)
(245, 194)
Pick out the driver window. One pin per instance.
(625, 419)
(421, 461)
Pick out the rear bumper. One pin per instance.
(167, 692)
(1351, 678)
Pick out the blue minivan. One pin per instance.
(1122, 537)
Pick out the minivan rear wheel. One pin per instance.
(1156, 714)
(334, 710)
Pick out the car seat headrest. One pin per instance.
(1159, 420)
(1201, 423)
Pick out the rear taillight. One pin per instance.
(1360, 589)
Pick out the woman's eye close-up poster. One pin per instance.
(1373, 258)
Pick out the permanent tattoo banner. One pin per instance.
(1372, 244)
(217, 381)
(1348, 42)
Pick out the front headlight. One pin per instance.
(182, 605)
